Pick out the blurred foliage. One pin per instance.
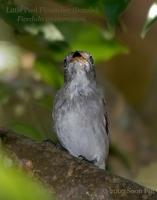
(49, 73)
(49, 42)
(28, 130)
(113, 9)
(91, 38)
(118, 153)
(147, 176)
(150, 20)
(82, 4)
(5, 92)
(11, 17)
(12, 178)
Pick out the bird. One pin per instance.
(80, 113)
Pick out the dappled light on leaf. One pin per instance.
(9, 60)
(150, 20)
(88, 37)
(49, 32)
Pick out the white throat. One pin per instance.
(79, 86)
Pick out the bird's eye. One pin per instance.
(91, 59)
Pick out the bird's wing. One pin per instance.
(106, 116)
(59, 100)
(56, 103)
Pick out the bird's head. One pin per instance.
(79, 64)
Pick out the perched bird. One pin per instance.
(79, 112)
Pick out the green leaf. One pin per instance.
(27, 130)
(150, 20)
(48, 30)
(81, 3)
(113, 9)
(31, 31)
(46, 102)
(49, 73)
(16, 185)
(90, 38)
(5, 92)
(118, 153)
(17, 16)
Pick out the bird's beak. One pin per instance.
(78, 57)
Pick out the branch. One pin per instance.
(71, 178)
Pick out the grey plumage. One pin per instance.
(79, 112)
